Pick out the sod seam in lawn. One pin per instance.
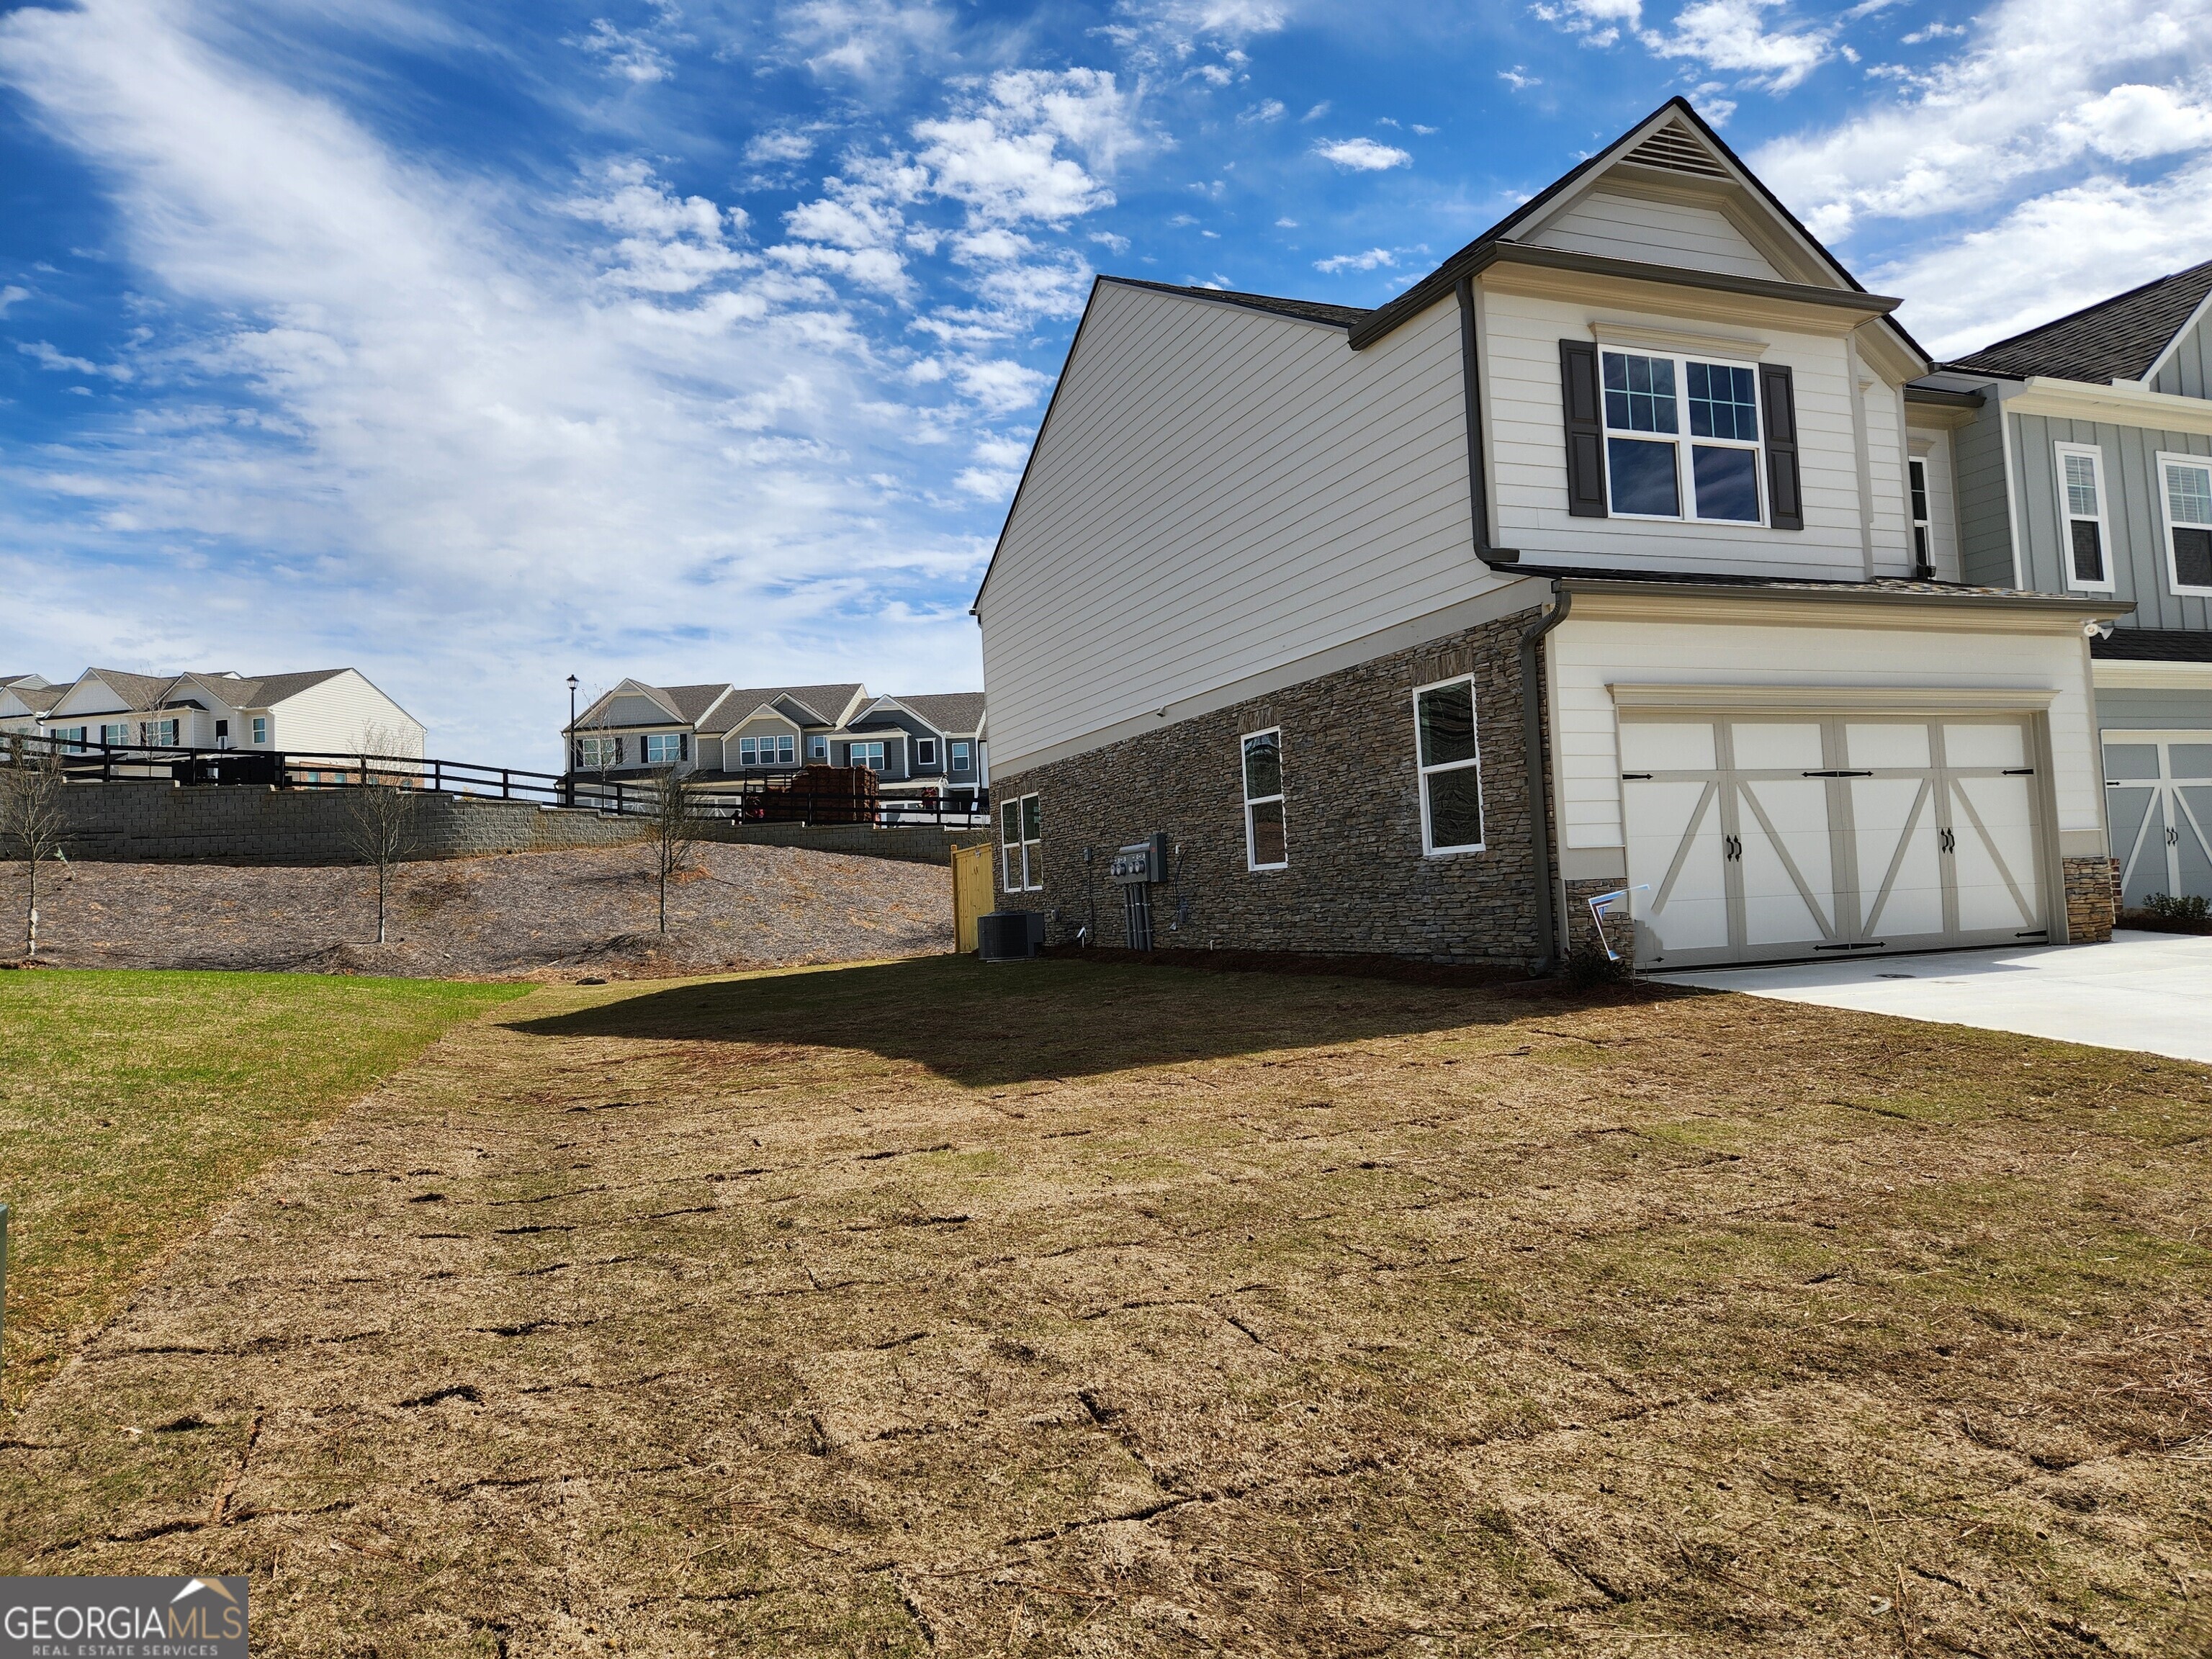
(134, 1105)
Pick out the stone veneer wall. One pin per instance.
(159, 822)
(2091, 885)
(1357, 880)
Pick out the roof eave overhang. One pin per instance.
(2054, 607)
(1439, 285)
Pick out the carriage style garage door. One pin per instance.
(2158, 794)
(1762, 838)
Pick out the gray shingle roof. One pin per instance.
(2153, 645)
(693, 700)
(824, 702)
(2115, 339)
(38, 698)
(957, 714)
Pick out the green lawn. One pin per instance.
(134, 1105)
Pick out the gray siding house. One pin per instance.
(2085, 468)
(721, 733)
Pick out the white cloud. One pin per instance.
(1363, 155)
(1159, 35)
(2042, 83)
(1932, 31)
(1316, 111)
(10, 295)
(784, 145)
(593, 428)
(1518, 80)
(626, 55)
(1001, 155)
(1001, 386)
(1732, 34)
(1269, 110)
(1109, 241)
(1368, 261)
(1599, 23)
(1286, 224)
(2051, 254)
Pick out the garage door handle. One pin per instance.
(1945, 842)
(1644, 777)
(1731, 847)
(1838, 775)
(2018, 772)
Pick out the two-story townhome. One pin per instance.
(332, 711)
(1589, 563)
(721, 733)
(23, 699)
(2086, 469)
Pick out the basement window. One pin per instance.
(1265, 845)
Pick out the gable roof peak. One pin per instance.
(1674, 147)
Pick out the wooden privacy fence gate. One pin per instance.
(971, 892)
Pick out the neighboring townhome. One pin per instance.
(2086, 469)
(23, 699)
(721, 733)
(331, 711)
(1589, 562)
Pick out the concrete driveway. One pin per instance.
(2151, 992)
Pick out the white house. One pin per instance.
(332, 711)
(1589, 563)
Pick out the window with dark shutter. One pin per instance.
(1787, 499)
(1585, 434)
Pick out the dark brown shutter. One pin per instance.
(1778, 396)
(1578, 396)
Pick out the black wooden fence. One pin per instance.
(739, 800)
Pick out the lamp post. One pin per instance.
(568, 747)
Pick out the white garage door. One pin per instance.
(2158, 794)
(1761, 839)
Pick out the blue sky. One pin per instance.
(476, 345)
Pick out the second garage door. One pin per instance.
(1767, 838)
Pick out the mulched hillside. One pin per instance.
(526, 915)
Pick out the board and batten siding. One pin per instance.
(1985, 525)
(1528, 463)
(2188, 372)
(338, 715)
(1587, 656)
(1659, 233)
(1216, 492)
(1934, 449)
(2133, 513)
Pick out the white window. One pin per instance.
(1265, 845)
(2186, 495)
(158, 734)
(2085, 541)
(1924, 562)
(869, 755)
(1021, 846)
(116, 734)
(1649, 472)
(69, 737)
(771, 750)
(261, 729)
(960, 761)
(925, 751)
(1450, 768)
(663, 748)
(595, 754)
(817, 749)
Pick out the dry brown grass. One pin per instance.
(1064, 1308)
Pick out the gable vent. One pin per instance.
(1675, 149)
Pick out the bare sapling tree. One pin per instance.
(381, 831)
(33, 820)
(678, 828)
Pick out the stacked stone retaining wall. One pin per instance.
(163, 822)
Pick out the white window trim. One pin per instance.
(1280, 798)
(1474, 714)
(925, 751)
(1924, 530)
(2067, 515)
(260, 728)
(1686, 480)
(645, 739)
(858, 753)
(2165, 525)
(962, 759)
(817, 749)
(1031, 875)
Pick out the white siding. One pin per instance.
(1588, 656)
(1528, 461)
(1655, 232)
(1934, 448)
(1218, 491)
(337, 716)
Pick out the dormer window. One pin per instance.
(1648, 402)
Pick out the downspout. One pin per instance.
(1539, 795)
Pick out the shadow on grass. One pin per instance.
(990, 1025)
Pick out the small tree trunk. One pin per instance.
(32, 921)
(379, 903)
(664, 895)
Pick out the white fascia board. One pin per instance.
(2116, 404)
